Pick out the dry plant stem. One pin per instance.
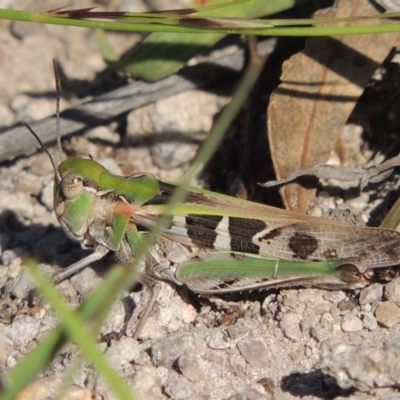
(15, 141)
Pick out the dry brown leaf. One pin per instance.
(319, 89)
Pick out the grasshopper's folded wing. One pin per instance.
(209, 220)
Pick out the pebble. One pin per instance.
(11, 255)
(387, 314)
(29, 110)
(18, 202)
(179, 113)
(166, 352)
(371, 294)
(255, 352)
(49, 388)
(165, 156)
(86, 281)
(369, 322)
(268, 384)
(307, 323)
(6, 116)
(192, 368)
(218, 340)
(28, 183)
(103, 133)
(22, 285)
(351, 323)
(41, 165)
(238, 364)
(122, 353)
(334, 297)
(364, 368)
(347, 304)
(146, 384)
(237, 331)
(320, 332)
(47, 196)
(178, 387)
(23, 330)
(116, 318)
(358, 202)
(170, 314)
(249, 394)
(334, 311)
(290, 325)
(392, 291)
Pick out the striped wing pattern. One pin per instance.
(229, 224)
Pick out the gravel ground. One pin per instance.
(280, 344)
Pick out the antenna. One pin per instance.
(58, 127)
(58, 176)
(58, 130)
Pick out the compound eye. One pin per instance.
(71, 185)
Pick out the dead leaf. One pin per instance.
(319, 89)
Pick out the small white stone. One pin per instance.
(370, 322)
(255, 352)
(290, 325)
(218, 340)
(123, 352)
(392, 291)
(351, 323)
(371, 294)
(192, 368)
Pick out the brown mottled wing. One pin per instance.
(208, 220)
(325, 241)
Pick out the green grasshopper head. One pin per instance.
(79, 180)
(74, 191)
(75, 187)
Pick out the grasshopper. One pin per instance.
(212, 243)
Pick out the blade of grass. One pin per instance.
(392, 218)
(93, 309)
(162, 53)
(98, 304)
(217, 133)
(44, 18)
(77, 331)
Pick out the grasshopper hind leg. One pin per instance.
(158, 268)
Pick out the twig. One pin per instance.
(16, 141)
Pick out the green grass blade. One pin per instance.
(33, 364)
(92, 310)
(162, 54)
(164, 25)
(217, 133)
(392, 218)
